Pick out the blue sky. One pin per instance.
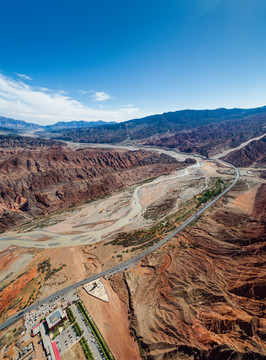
(117, 60)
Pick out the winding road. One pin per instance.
(127, 264)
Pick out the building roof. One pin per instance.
(34, 327)
(56, 351)
(55, 317)
(46, 341)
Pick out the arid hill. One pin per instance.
(190, 123)
(11, 142)
(253, 154)
(201, 297)
(39, 182)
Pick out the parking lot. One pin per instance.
(69, 338)
(33, 317)
(66, 339)
(92, 342)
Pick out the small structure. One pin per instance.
(24, 352)
(96, 288)
(67, 303)
(35, 330)
(55, 318)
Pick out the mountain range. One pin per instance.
(7, 124)
(206, 132)
(231, 126)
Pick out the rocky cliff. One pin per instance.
(39, 182)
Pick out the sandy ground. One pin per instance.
(13, 261)
(75, 353)
(246, 200)
(112, 320)
(210, 168)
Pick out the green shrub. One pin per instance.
(104, 347)
(86, 349)
(70, 315)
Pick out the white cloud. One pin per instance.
(83, 92)
(44, 106)
(24, 77)
(63, 92)
(129, 110)
(101, 96)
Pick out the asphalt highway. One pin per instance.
(127, 264)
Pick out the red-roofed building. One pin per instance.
(35, 330)
(56, 351)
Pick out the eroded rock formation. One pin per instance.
(202, 295)
(253, 154)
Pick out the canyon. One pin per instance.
(37, 182)
(200, 296)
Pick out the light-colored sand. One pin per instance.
(75, 353)
(210, 168)
(246, 200)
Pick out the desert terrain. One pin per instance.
(198, 297)
(97, 235)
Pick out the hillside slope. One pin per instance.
(8, 124)
(170, 123)
(11, 142)
(201, 296)
(211, 139)
(253, 154)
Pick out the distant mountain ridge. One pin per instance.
(12, 124)
(21, 125)
(167, 123)
(207, 132)
(76, 124)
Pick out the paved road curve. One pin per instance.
(127, 264)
